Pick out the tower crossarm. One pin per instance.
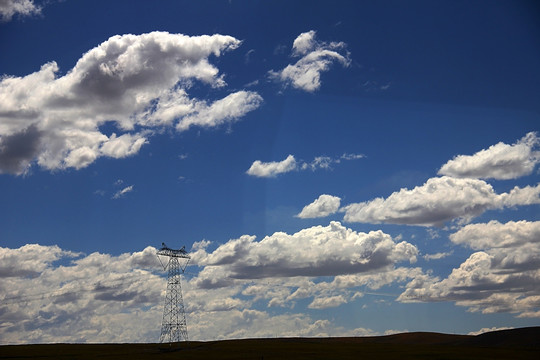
(180, 253)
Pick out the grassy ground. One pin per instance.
(403, 346)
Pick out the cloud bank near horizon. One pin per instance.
(502, 276)
(70, 294)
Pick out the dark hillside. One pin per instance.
(507, 344)
(415, 338)
(523, 337)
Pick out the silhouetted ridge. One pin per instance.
(514, 344)
(421, 338)
(522, 337)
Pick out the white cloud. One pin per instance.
(316, 251)
(304, 43)
(437, 256)
(251, 323)
(249, 56)
(122, 146)
(273, 168)
(323, 206)
(437, 201)
(325, 162)
(10, 8)
(339, 290)
(135, 81)
(485, 330)
(500, 161)
(228, 109)
(282, 269)
(95, 298)
(316, 57)
(105, 298)
(496, 235)
(29, 260)
(327, 302)
(528, 195)
(503, 277)
(123, 192)
(347, 156)
(320, 162)
(375, 280)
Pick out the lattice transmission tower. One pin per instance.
(174, 326)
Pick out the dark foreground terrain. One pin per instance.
(506, 344)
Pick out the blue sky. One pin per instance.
(335, 168)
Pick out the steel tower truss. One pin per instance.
(174, 326)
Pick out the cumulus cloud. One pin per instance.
(137, 82)
(10, 8)
(52, 295)
(17, 150)
(122, 146)
(304, 43)
(528, 195)
(437, 201)
(317, 251)
(437, 256)
(92, 298)
(497, 235)
(29, 260)
(282, 269)
(272, 169)
(374, 280)
(323, 206)
(226, 110)
(339, 290)
(315, 57)
(499, 161)
(327, 302)
(251, 323)
(502, 277)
